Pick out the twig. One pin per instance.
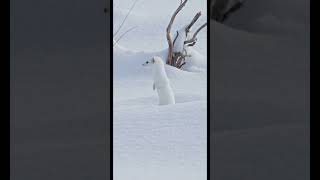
(125, 18)
(124, 34)
(170, 43)
(176, 37)
(192, 44)
(195, 18)
(179, 60)
(181, 65)
(194, 37)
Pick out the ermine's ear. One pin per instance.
(152, 61)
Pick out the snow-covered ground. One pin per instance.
(152, 141)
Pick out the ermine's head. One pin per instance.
(154, 61)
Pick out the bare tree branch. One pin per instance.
(176, 37)
(170, 43)
(181, 65)
(194, 37)
(125, 18)
(179, 60)
(195, 18)
(192, 44)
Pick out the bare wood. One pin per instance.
(176, 37)
(194, 37)
(195, 18)
(181, 65)
(179, 60)
(192, 44)
(170, 43)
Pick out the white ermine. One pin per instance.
(161, 81)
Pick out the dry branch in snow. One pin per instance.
(177, 59)
(169, 39)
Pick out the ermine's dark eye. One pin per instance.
(147, 62)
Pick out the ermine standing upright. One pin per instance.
(161, 81)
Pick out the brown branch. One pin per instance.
(170, 43)
(194, 37)
(179, 60)
(195, 18)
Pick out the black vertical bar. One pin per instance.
(208, 89)
(111, 90)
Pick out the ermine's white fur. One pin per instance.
(161, 81)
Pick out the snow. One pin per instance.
(152, 141)
(152, 17)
